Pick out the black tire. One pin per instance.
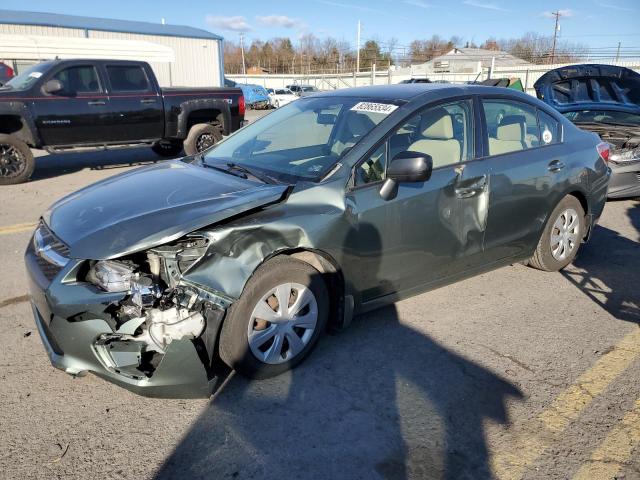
(167, 148)
(234, 345)
(16, 160)
(543, 258)
(201, 136)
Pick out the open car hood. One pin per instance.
(151, 206)
(590, 87)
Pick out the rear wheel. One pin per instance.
(16, 160)
(561, 238)
(278, 319)
(167, 148)
(201, 137)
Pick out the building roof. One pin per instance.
(502, 59)
(15, 17)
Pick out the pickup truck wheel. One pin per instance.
(167, 148)
(200, 137)
(16, 161)
(277, 320)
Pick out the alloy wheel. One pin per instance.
(282, 323)
(565, 234)
(205, 141)
(12, 161)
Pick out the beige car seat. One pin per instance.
(438, 142)
(356, 126)
(510, 135)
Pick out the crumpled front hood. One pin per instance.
(590, 87)
(151, 206)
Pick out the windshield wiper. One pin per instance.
(247, 171)
(235, 169)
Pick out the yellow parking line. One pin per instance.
(565, 408)
(17, 228)
(615, 450)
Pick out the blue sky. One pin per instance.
(596, 23)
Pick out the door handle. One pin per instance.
(96, 102)
(477, 186)
(148, 100)
(555, 166)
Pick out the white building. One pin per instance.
(179, 55)
(468, 60)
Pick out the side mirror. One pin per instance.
(406, 167)
(53, 86)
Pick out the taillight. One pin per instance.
(603, 151)
(241, 105)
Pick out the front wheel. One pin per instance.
(16, 160)
(561, 238)
(201, 136)
(278, 319)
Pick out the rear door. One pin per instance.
(79, 113)
(519, 162)
(136, 103)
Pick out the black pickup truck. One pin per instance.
(63, 105)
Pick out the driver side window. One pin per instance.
(78, 80)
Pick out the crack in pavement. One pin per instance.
(14, 301)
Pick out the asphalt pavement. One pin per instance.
(516, 373)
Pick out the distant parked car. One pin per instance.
(256, 96)
(603, 99)
(6, 73)
(417, 80)
(281, 96)
(302, 90)
(514, 83)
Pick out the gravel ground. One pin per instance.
(436, 386)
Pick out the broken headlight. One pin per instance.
(111, 275)
(625, 155)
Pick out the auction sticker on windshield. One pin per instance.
(385, 108)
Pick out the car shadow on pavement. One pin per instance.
(380, 400)
(58, 164)
(601, 270)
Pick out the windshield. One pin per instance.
(603, 116)
(301, 141)
(28, 77)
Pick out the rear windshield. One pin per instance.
(603, 116)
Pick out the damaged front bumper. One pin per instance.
(73, 321)
(625, 180)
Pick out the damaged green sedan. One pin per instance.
(160, 278)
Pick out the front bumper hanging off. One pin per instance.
(71, 320)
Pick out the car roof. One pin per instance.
(410, 91)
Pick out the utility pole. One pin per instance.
(555, 35)
(618, 52)
(244, 71)
(358, 49)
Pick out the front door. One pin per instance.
(416, 238)
(79, 113)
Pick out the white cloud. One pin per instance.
(236, 24)
(281, 21)
(418, 3)
(485, 5)
(614, 7)
(563, 13)
(352, 6)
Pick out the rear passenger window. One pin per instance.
(549, 128)
(512, 126)
(128, 78)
